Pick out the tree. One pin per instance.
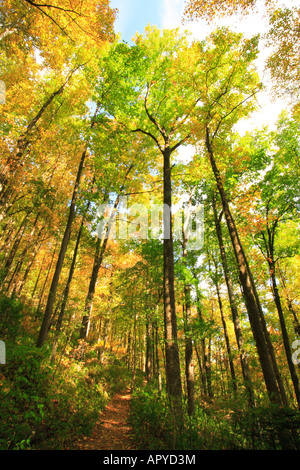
(278, 204)
(233, 306)
(24, 23)
(148, 88)
(283, 37)
(209, 9)
(63, 249)
(224, 104)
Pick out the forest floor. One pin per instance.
(112, 431)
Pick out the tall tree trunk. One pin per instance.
(23, 254)
(189, 362)
(234, 311)
(249, 294)
(66, 293)
(207, 389)
(173, 378)
(157, 362)
(284, 332)
(46, 279)
(228, 347)
(149, 348)
(17, 239)
(37, 246)
(99, 254)
(99, 251)
(290, 303)
(134, 352)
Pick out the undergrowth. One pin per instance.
(46, 405)
(211, 427)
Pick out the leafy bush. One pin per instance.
(116, 375)
(23, 388)
(151, 419)
(45, 407)
(11, 314)
(212, 427)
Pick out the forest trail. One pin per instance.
(112, 431)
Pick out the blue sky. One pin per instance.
(134, 15)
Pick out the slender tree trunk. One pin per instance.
(23, 254)
(37, 246)
(290, 304)
(134, 352)
(149, 347)
(284, 332)
(46, 279)
(206, 364)
(84, 331)
(202, 377)
(235, 316)
(38, 277)
(189, 361)
(13, 251)
(173, 378)
(105, 338)
(98, 259)
(228, 347)
(66, 293)
(270, 346)
(246, 282)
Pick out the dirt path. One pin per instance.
(112, 431)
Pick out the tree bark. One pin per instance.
(189, 361)
(228, 347)
(173, 378)
(66, 293)
(234, 311)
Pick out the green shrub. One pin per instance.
(45, 407)
(22, 394)
(11, 314)
(151, 419)
(212, 427)
(116, 375)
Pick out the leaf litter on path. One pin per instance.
(112, 431)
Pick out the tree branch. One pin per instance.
(150, 135)
(234, 109)
(41, 5)
(36, 5)
(152, 119)
(180, 143)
